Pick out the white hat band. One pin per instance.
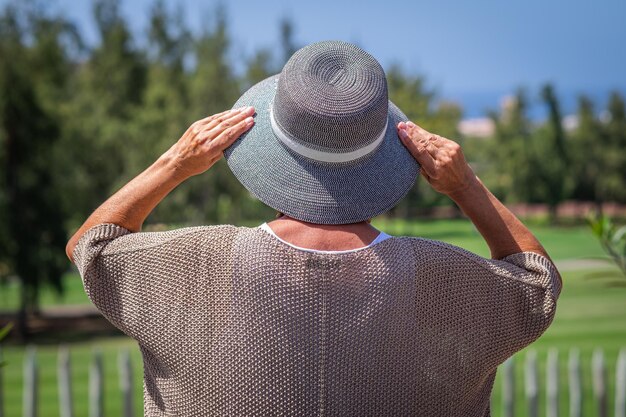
(321, 155)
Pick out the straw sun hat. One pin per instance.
(324, 147)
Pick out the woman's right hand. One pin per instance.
(442, 161)
(203, 144)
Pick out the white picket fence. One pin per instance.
(96, 384)
(553, 386)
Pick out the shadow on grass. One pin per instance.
(604, 274)
(614, 279)
(69, 327)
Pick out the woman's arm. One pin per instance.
(195, 152)
(444, 167)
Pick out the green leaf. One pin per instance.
(5, 330)
(620, 234)
(613, 240)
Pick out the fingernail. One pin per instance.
(403, 134)
(401, 125)
(249, 120)
(249, 109)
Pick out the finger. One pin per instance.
(215, 116)
(418, 150)
(198, 125)
(419, 136)
(229, 120)
(231, 134)
(417, 131)
(431, 148)
(203, 124)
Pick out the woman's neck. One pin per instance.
(330, 237)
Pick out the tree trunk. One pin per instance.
(552, 213)
(22, 317)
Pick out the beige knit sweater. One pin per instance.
(233, 322)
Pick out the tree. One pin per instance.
(263, 63)
(552, 157)
(163, 114)
(33, 237)
(259, 67)
(586, 155)
(107, 91)
(598, 158)
(512, 162)
(286, 39)
(614, 174)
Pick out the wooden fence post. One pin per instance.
(126, 382)
(599, 382)
(575, 384)
(64, 377)
(531, 380)
(508, 387)
(552, 384)
(620, 384)
(30, 382)
(96, 385)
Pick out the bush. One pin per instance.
(612, 239)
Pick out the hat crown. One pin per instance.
(331, 97)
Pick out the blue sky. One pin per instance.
(466, 49)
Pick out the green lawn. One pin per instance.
(567, 242)
(80, 354)
(591, 313)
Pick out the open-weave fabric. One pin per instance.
(233, 322)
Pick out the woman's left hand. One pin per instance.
(204, 142)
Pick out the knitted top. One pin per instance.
(233, 322)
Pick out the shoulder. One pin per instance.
(429, 247)
(197, 236)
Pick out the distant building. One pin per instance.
(481, 127)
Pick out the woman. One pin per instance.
(316, 312)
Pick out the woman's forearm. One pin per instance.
(130, 206)
(201, 146)
(445, 168)
(504, 233)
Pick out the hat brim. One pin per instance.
(313, 191)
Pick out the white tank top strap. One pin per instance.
(381, 237)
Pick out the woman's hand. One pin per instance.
(204, 142)
(442, 161)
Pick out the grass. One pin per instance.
(74, 294)
(566, 242)
(591, 314)
(81, 354)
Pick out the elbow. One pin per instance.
(69, 248)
